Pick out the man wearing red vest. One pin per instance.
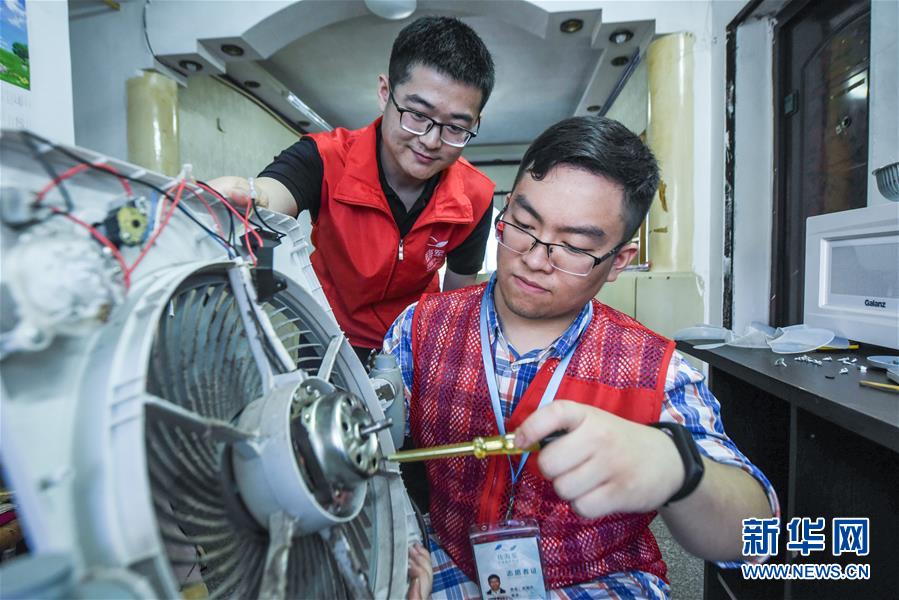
(641, 432)
(393, 201)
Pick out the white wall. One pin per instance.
(883, 93)
(222, 132)
(753, 174)
(108, 48)
(46, 108)
(707, 21)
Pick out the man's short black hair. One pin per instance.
(603, 147)
(494, 576)
(446, 45)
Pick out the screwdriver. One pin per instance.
(479, 447)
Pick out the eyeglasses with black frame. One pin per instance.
(573, 261)
(418, 123)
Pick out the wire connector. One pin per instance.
(253, 195)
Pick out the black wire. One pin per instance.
(231, 230)
(150, 48)
(266, 225)
(39, 157)
(206, 229)
(159, 190)
(106, 172)
(146, 32)
(258, 214)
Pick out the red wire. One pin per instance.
(246, 235)
(126, 270)
(210, 211)
(243, 218)
(74, 171)
(103, 240)
(165, 222)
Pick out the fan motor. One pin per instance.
(313, 460)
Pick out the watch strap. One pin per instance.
(689, 453)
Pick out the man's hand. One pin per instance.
(604, 464)
(270, 193)
(237, 191)
(421, 574)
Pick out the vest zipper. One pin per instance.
(401, 249)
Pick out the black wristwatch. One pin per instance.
(689, 453)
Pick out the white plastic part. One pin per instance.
(268, 475)
(799, 338)
(74, 415)
(79, 288)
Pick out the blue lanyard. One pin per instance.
(490, 375)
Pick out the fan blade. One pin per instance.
(238, 573)
(214, 428)
(348, 563)
(274, 575)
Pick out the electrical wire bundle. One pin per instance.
(162, 207)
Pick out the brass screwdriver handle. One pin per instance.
(479, 447)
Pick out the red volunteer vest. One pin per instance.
(619, 366)
(367, 272)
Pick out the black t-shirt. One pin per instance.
(300, 169)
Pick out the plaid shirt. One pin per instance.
(687, 401)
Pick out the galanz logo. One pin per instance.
(875, 303)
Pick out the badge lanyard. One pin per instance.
(490, 374)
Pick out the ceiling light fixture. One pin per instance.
(393, 10)
(232, 50)
(622, 36)
(307, 112)
(571, 25)
(190, 65)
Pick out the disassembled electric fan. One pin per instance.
(180, 411)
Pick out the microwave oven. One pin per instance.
(852, 274)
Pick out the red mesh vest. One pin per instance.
(357, 243)
(619, 366)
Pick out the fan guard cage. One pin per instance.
(201, 361)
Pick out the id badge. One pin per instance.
(507, 556)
